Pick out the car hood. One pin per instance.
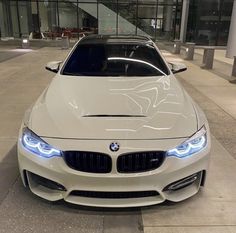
(113, 108)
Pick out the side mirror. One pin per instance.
(177, 67)
(53, 66)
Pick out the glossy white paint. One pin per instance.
(159, 105)
(55, 169)
(88, 113)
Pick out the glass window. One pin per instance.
(16, 26)
(147, 20)
(209, 21)
(127, 13)
(88, 18)
(107, 17)
(152, 2)
(224, 24)
(2, 27)
(25, 17)
(115, 60)
(50, 19)
(9, 26)
(68, 18)
(177, 10)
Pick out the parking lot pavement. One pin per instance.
(216, 96)
(22, 79)
(219, 229)
(7, 53)
(22, 212)
(212, 210)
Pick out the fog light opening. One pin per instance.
(180, 184)
(39, 180)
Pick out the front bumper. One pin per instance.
(55, 169)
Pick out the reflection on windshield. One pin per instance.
(135, 60)
(115, 60)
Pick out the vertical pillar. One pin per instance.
(39, 21)
(231, 45)
(25, 44)
(234, 68)
(184, 20)
(167, 22)
(208, 58)
(189, 53)
(177, 46)
(5, 19)
(233, 74)
(2, 28)
(65, 42)
(52, 16)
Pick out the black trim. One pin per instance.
(114, 195)
(94, 39)
(141, 161)
(50, 184)
(203, 180)
(25, 178)
(197, 174)
(107, 115)
(86, 161)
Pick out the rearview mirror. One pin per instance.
(177, 67)
(53, 66)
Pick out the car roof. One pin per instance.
(110, 39)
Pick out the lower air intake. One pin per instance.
(114, 195)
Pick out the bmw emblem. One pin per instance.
(114, 146)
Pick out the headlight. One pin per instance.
(36, 145)
(193, 145)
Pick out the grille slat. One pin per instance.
(93, 162)
(136, 162)
(84, 161)
(114, 195)
(140, 161)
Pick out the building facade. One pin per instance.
(208, 20)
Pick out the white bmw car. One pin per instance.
(114, 129)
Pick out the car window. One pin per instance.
(115, 60)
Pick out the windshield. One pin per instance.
(115, 60)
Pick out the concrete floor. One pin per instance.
(219, 55)
(212, 210)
